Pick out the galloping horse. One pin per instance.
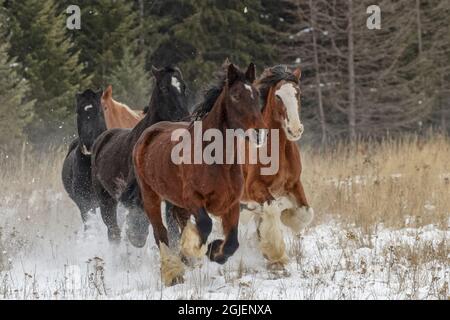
(111, 160)
(282, 193)
(197, 188)
(118, 115)
(76, 172)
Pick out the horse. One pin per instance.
(118, 115)
(198, 188)
(280, 196)
(111, 158)
(76, 172)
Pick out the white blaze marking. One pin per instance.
(85, 151)
(176, 84)
(249, 88)
(288, 95)
(88, 107)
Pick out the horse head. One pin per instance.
(243, 103)
(169, 94)
(90, 118)
(281, 90)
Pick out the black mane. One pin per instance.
(271, 77)
(88, 93)
(212, 94)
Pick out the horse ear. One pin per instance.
(99, 93)
(232, 74)
(250, 74)
(156, 72)
(108, 93)
(298, 73)
(226, 63)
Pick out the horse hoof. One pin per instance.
(214, 252)
(137, 241)
(177, 280)
(276, 266)
(114, 238)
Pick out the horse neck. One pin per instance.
(216, 118)
(150, 118)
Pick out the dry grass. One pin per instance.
(399, 185)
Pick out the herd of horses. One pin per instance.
(124, 156)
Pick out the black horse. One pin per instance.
(112, 168)
(76, 172)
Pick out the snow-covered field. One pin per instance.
(329, 261)
(381, 231)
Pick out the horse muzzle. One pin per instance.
(294, 133)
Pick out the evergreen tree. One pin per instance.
(201, 36)
(131, 81)
(49, 64)
(107, 27)
(15, 111)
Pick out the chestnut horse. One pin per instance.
(279, 197)
(118, 115)
(198, 188)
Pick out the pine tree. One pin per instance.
(15, 111)
(107, 27)
(205, 32)
(50, 64)
(131, 81)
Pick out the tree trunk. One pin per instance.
(419, 28)
(317, 71)
(351, 75)
(141, 24)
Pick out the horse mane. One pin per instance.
(88, 93)
(271, 76)
(211, 95)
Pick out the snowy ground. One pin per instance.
(53, 260)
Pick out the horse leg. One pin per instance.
(84, 211)
(108, 210)
(270, 236)
(299, 217)
(172, 268)
(137, 226)
(172, 225)
(220, 250)
(193, 239)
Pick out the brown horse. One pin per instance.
(118, 115)
(279, 197)
(216, 188)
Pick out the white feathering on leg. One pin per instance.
(172, 268)
(191, 242)
(271, 238)
(297, 219)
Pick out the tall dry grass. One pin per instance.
(395, 184)
(400, 183)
